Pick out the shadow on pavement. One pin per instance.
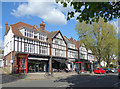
(7, 78)
(90, 81)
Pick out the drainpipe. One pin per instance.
(50, 62)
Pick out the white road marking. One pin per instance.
(62, 86)
(116, 84)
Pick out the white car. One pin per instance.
(113, 71)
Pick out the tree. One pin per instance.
(100, 38)
(92, 11)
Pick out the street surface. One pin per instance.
(100, 80)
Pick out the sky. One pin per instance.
(33, 13)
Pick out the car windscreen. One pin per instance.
(97, 68)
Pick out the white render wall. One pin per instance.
(20, 42)
(60, 46)
(82, 50)
(8, 42)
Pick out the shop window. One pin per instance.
(23, 66)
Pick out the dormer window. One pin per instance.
(25, 33)
(42, 37)
(28, 33)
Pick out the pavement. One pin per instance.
(38, 76)
(6, 78)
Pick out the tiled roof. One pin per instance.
(77, 43)
(52, 34)
(66, 39)
(17, 26)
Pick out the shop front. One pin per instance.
(84, 65)
(36, 64)
(59, 65)
(21, 63)
(26, 63)
(72, 65)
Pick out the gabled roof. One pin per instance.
(66, 39)
(70, 40)
(52, 34)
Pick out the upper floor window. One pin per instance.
(26, 47)
(71, 45)
(28, 33)
(42, 37)
(56, 41)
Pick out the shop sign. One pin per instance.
(78, 62)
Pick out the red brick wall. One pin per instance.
(8, 58)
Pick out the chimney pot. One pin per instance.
(42, 26)
(6, 26)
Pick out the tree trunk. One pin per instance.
(99, 65)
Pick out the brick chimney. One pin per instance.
(42, 26)
(71, 39)
(6, 26)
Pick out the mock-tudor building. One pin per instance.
(28, 48)
(72, 53)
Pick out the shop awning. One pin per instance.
(34, 58)
(62, 61)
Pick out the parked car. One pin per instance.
(106, 70)
(114, 70)
(118, 70)
(109, 70)
(99, 70)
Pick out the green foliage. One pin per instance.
(100, 38)
(93, 10)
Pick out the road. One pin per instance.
(100, 80)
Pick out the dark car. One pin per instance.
(106, 70)
(109, 70)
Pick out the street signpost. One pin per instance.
(91, 65)
(11, 61)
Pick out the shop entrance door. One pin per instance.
(37, 67)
